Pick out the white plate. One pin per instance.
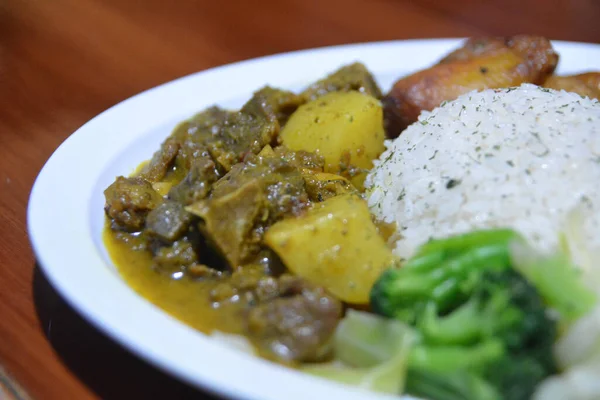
(65, 215)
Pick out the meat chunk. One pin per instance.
(237, 133)
(197, 183)
(253, 285)
(242, 134)
(168, 222)
(322, 186)
(193, 134)
(298, 325)
(286, 318)
(162, 161)
(482, 63)
(246, 201)
(277, 102)
(278, 175)
(174, 260)
(303, 160)
(207, 145)
(228, 221)
(244, 285)
(128, 202)
(350, 77)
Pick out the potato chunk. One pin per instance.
(335, 245)
(346, 128)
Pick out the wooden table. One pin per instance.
(64, 61)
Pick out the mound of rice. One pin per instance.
(521, 157)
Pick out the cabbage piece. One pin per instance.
(578, 352)
(580, 343)
(370, 352)
(574, 243)
(581, 382)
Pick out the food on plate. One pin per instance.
(371, 352)
(465, 318)
(353, 77)
(520, 157)
(455, 261)
(335, 244)
(336, 126)
(197, 214)
(482, 63)
(586, 84)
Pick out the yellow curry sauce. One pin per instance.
(184, 299)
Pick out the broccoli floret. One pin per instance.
(484, 330)
(503, 305)
(443, 271)
(501, 337)
(518, 375)
(506, 379)
(457, 385)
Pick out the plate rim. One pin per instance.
(98, 314)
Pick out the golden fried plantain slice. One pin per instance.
(475, 47)
(482, 63)
(586, 84)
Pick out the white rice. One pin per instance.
(521, 158)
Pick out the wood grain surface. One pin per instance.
(64, 61)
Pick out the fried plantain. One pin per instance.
(482, 63)
(586, 84)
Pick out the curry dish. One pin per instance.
(253, 222)
(188, 230)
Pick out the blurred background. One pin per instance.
(64, 61)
